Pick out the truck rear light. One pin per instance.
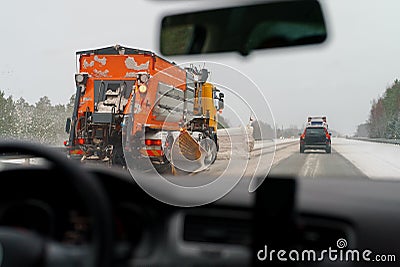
(79, 78)
(144, 78)
(76, 152)
(153, 142)
(143, 89)
(80, 141)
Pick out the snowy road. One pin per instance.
(375, 160)
(349, 158)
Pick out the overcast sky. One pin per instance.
(338, 79)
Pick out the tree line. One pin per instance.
(384, 117)
(41, 122)
(44, 122)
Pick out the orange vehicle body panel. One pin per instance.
(127, 67)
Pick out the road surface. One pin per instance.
(350, 159)
(314, 164)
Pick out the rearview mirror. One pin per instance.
(220, 104)
(243, 28)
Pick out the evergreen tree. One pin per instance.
(8, 123)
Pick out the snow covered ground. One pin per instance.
(376, 160)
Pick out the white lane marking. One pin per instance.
(311, 166)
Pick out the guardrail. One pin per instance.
(59, 149)
(17, 158)
(377, 140)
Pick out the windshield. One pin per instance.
(244, 116)
(315, 131)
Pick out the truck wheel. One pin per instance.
(215, 138)
(117, 157)
(210, 149)
(164, 168)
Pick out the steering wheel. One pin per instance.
(24, 248)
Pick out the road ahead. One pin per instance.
(314, 164)
(287, 161)
(349, 158)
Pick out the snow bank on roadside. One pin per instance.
(376, 160)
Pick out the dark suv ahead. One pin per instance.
(315, 138)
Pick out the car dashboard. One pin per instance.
(228, 232)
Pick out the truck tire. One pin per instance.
(215, 138)
(117, 157)
(164, 168)
(211, 150)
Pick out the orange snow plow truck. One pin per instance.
(132, 99)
